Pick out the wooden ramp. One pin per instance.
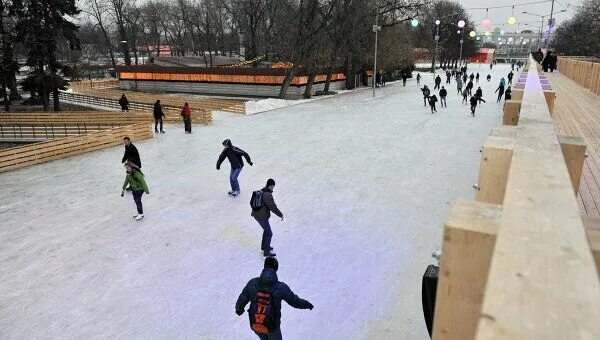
(577, 113)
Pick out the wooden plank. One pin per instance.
(542, 282)
(592, 225)
(550, 95)
(469, 238)
(573, 149)
(511, 112)
(495, 164)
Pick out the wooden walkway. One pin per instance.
(577, 113)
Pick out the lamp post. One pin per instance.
(461, 25)
(437, 39)
(550, 24)
(376, 29)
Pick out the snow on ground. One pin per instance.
(365, 186)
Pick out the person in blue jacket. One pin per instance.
(234, 155)
(268, 282)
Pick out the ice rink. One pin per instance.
(365, 186)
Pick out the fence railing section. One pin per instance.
(585, 72)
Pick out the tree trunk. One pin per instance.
(291, 73)
(14, 91)
(5, 94)
(330, 71)
(309, 85)
(348, 73)
(109, 45)
(56, 100)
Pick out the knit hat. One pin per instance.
(271, 262)
(270, 182)
(227, 142)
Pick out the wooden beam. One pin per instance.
(469, 237)
(573, 149)
(511, 112)
(550, 95)
(495, 164)
(517, 94)
(592, 228)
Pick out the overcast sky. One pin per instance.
(499, 16)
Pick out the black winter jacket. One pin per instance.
(131, 154)
(279, 291)
(234, 155)
(158, 111)
(443, 93)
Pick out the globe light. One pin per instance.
(486, 24)
(458, 31)
(437, 22)
(478, 38)
(414, 22)
(510, 39)
(501, 32)
(461, 24)
(499, 39)
(524, 42)
(472, 34)
(500, 43)
(512, 20)
(487, 33)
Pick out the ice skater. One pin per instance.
(426, 93)
(265, 294)
(158, 117)
(131, 153)
(186, 113)
(418, 78)
(510, 77)
(477, 77)
(262, 204)
(438, 81)
(465, 95)
(479, 95)
(470, 87)
(432, 100)
(234, 155)
(489, 77)
(443, 94)
(500, 91)
(508, 94)
(135, 179)
(473, 102)
(124, 103)
(404, 77)
(459, 85)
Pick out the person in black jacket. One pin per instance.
(158, 116)
(268, 281)
(508, 94)
(443, 94)
(473, 102)
(263, 215)
(510, 77)
(124, 103)
(234, 155)
(437, 82)
(426, 93)
(131, 153)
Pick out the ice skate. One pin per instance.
(139, 217)
(269, 254)
(235, 193)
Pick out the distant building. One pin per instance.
(483, 55)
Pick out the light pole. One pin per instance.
(549, 25)
(437, 39)
(461, 25)
(376, 29)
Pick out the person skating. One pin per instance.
(470, 87)
(465, 95)
(234, 155)
(418, 78)
(448, 77)
(479, 95)
(489, 77)
(508, 94)
(263, 204)
(186, 113)
(124, 103)
(477, 77)
(438, 81)
(432, 100)
(510, 77)
(500, 91)
(459, 85)
(443, 94)
(464, 77)
(158, 117)
(265, 293)
(131, 153)
(491, 65)
(426, 93)
(502, 82)
(471, 77)
(404, 77)
(473, 102)
(135, 179)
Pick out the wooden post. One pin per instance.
(550, 95)
(592, 228)
(511, 112)
(495, 164)
(469, 238)
(573, 149)
(517, 94)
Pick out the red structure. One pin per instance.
(483, 55)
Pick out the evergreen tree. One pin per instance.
(8, 65)
(41, 24)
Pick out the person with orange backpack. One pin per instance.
(265, 294)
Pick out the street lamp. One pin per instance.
(550, 24)
(437, 39)
(461, 25)
(376, 29)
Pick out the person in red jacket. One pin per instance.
(186, 113)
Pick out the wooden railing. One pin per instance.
(94, 84)
(516, 262)
(15, 158)
(585, 72)
(45, 131)
(172, 113)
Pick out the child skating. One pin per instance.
(135, 179)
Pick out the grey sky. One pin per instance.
(499, 16)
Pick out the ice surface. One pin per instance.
(365, 186)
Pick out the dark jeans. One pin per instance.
(265, 245)
(156, 122)
(187, 124)
(137, 197)
(233, 175)
(272, 335)
(437, 86)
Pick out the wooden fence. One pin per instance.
(585, 72)
(205, 104)
(516, 262)
(15, 158)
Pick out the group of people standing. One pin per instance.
(186, 114)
